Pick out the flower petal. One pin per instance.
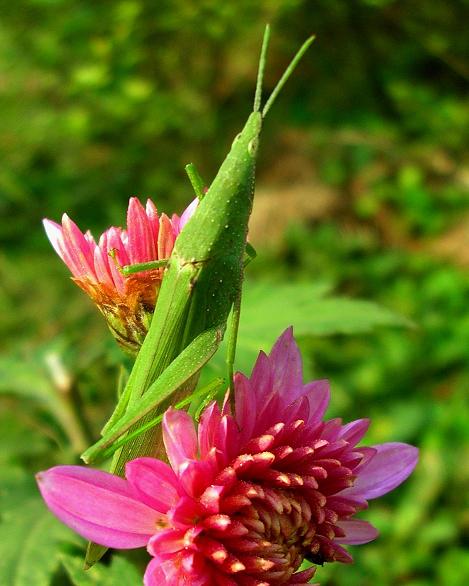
(166, 237)
(303, 577)
(78, 249)
(99, 506)
(154, 482)
(56, 236)
(355, 430)
(111, 240)
(261, 379)
(318, 393)
(208, 428)
(54, 233)
(154, 222)
(357, 532)
(267, 399)
(179, 437)
(245, 406)
(195, 475)
(389, 467)
(155, 576)
(187, 511)
(166, 542)
(101, 267)
(183, 569)
(141, 246)
(287, 368)
(188, 213)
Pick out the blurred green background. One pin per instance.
(363, 183)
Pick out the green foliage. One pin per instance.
(38, 545)
(268, 308)
(30, 550)
(310, 308)
(120, 571)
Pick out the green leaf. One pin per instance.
(120, 571)
(268, 309)
(179, 372)
(31, 538)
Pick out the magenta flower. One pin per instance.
(249, 495)
(127, 303)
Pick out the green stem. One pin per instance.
(232, 339)
(71, 421)
(196, 180)
(67, 406)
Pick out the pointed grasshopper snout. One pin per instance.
(219, 225)
(248, 138)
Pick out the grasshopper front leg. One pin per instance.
(140, 267)
(198, 184)
(185, 366)
(203, 396)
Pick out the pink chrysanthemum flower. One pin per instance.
(248, 496)
(127, 302)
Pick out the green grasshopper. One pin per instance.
(202, 284)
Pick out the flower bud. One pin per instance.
(127, 302)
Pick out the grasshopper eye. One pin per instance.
(252, 146)
(236, 138)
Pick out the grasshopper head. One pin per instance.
(248, 139)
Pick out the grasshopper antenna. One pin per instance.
(288, 71)
(260, 71)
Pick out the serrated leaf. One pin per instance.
(32, 538)
(120, 571)
(268, 309)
